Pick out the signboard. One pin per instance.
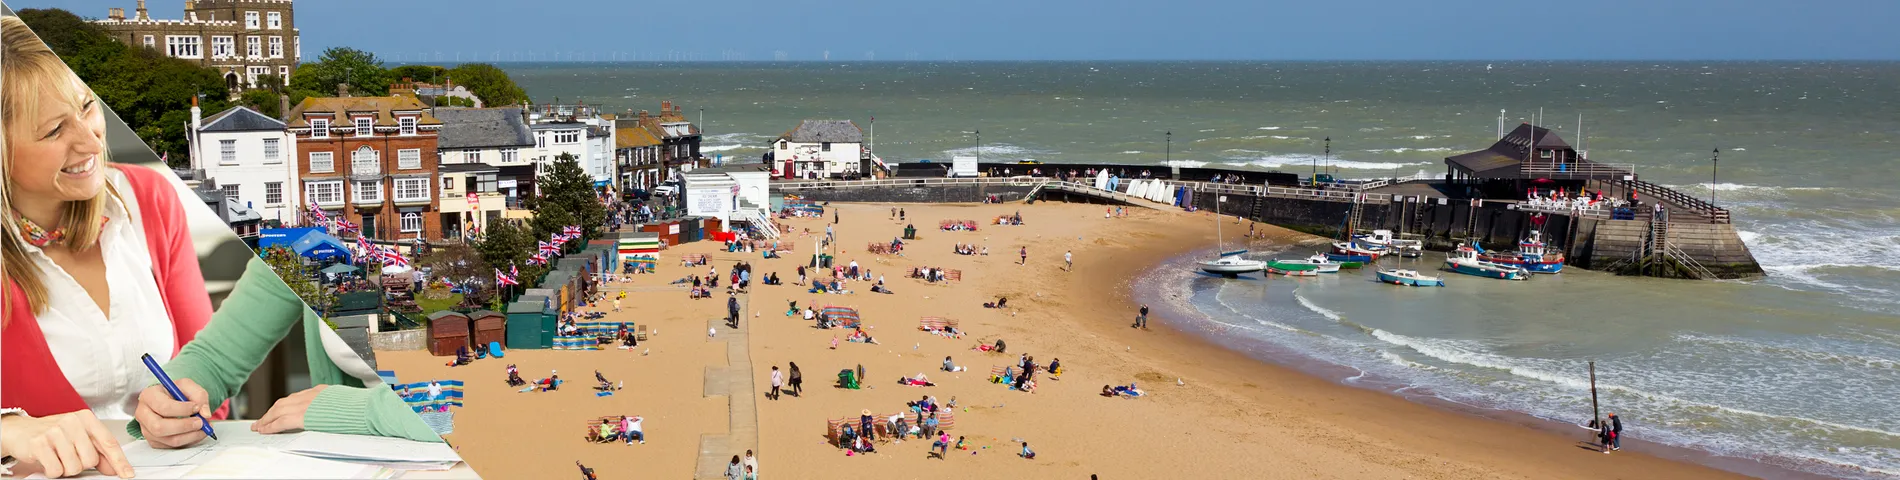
(673, 229)
(963, 166)
(707, 201)
(474, 203)
(509, 183)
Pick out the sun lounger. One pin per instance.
(640, 332)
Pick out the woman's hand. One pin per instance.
(62, 445)
(287, 413)
(168, 423)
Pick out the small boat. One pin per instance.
(1531, 255)
(1317, 263)
(1385, 240)
(1409, 278)
(1231, 264)
(1292, 273)
(1465, 260)
(1353, 252)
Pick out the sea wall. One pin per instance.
(902, 194)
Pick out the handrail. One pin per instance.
(1695, 205)
(1590, 212)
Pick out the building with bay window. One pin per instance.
(371, 160)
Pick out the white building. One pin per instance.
(495, 137)
(247, 154)
(578, 130)
(821, 149)
(731, 193)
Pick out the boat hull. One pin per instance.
(1299, 265)
(1347, 258)
(1385, 277)
(1230, 269)
(1541, 265)
(1293, 273)
(1488, 271)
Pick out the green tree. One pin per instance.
(420, 73)
(263, 101)
(149, 91)
(505, 244)
(290, 267)
(567, 197)
(489, 83)
(362, 70)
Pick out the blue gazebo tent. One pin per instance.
(282, 237)
(321, 246)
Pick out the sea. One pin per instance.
(1799, 369)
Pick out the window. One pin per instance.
(223, 46)
(273, 193)
(230, 191)
(540, 140)
(1544, 154)
(408, 125)
(324, 193)
(250, 20)
(369, 191)
(567, 137)
(322, 162)
(150, 41)
(276, 20)
(827, 147)
(412, 189)
(471, 156)
(409, 159)
(411, 222)
(270, 151)
(255, 73)
(510, 155)
(254, 46)
(298, 42)
(276, 47)
(364, 126)
(781, 145)
(365, 161)
(184, 46)
(227, 152)
(319, 128)
(448, 186)
(284, 73)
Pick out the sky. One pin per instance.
(757, 30)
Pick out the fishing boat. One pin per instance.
(1230, 264)
(1531, 254)
(1317, 263)
(1384, 239)
(1465, 260)
(1291, 273)
(1353, 252)
(1409, 278)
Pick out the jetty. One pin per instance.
(1602, 216)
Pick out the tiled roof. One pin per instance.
(342, 107)
(482, 128)
(821, 131)
(633, 136)
(241, 119)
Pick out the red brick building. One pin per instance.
(371, 160)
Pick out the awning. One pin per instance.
(341, 269)
(282, 237)
(321, 246)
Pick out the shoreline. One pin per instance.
(1272, 355)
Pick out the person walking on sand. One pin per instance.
(1025, 255)
(778, 380)
(751, 465)
(732, 310)
(1605, 435)
(733, 470)
(1068, 260)
(1616, 432)
(900, 214)
(798, 382)
(1141, 321)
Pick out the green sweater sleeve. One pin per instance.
(259, 312)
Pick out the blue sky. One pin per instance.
(1087, 30)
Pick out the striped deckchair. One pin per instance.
(640, 332)
(578, 342)
(418, 399)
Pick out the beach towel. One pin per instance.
(603, 394)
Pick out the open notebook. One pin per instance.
(241, 453)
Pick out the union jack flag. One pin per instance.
(317, 213)
(390, 257)
(501, 279)
(537, 259)
(512, 272)
(368, 249)
(571, 231)
(344, 225)
(547, 248)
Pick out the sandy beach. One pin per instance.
(1229, 416)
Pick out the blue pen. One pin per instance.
(172, 388)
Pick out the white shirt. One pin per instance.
(435, 390)
(778, 380)
(99, 351)
(634, 425)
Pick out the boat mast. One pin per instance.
(1220, 241)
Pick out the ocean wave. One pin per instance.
(1133, 152)
(1273, 137)
(1262, 159)
(1844, 359)
(1408, 149)
(724, 148)
(1269, 128)
(1184, 163)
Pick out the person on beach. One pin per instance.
(865, 423)
(1027, 454)
(732, 310)
(1141, 321)
(900, 214)
(632, 429)
(778, 380)
(1068, 260)
(798, 381)
(1605, 435)
(942, 445)
(1616, 432)
(1025, 256)
(734, 470)
(751, 465)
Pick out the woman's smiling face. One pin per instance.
(57, 153)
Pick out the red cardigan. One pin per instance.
(29, 377)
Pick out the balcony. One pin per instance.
(368, 197)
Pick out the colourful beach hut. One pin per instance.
(641, 249)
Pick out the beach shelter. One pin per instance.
(490, 327)
(531, 323)
(639, 249)
(448, 333)
(321, 246)
(844, 316)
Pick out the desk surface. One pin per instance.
(460, 471)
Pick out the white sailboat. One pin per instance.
(1230, 264)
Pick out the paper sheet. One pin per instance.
(154, 473)
(142, 454)
(373, 449)
(259, 463)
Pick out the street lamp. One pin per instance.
(1715, 163)
(1168, 151)
(979, 145)
(1329, 154)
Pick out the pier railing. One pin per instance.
(1590, 211)
(1577, 170)
(1335, 195)
(1694, 205)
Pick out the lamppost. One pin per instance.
(1168, 151)
(979, 145)
(1715, 163)
(1329, 153)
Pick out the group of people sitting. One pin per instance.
(553, 382)
(857, 335)
(1001, 302)
(627, 428)
(972, 249)
(958, 226)
(1016, 219)
(929, 274)
(1121, 391)
(1021, 377)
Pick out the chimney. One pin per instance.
(666, 106)
(141, 11)
(283, 107)
(643, 116)
(343, 90)
(116, 14)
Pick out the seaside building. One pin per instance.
(243, 39)
(248, 156)
(244, 221)
(371, 160)
(822, 149)
(736, 192)
(482, 166)
(578, 130)
(1528, 156)
(654, 148)
(637, 151)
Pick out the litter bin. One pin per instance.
(910, 232)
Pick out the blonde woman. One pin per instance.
(100, 270)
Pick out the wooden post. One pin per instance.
(1593, 393)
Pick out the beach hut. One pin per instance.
(639, 249)
(490, 327)
(448, 332)
(525, 324)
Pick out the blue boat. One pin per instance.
(1409, 278)
(1352, 252)
(1465, 260)
(1531, 255)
